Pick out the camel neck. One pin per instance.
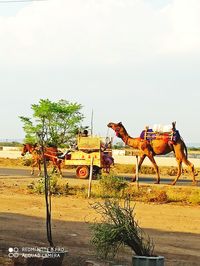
(133, 142)
(125, 139)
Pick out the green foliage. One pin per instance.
(194, 197)
(178, 196)
(118, 228)
(55, 187)
(193, 148)
(10, 144)
(118, 145)
(112, 186)
(58, 187)
(58, 121)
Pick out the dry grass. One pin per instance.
(8, 162)
(115, 187)
(164, 170)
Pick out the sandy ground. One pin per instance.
(175, 229)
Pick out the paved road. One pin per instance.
(8, 172)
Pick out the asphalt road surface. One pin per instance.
(6, 172)
(10, 172)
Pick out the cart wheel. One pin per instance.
(82, 171)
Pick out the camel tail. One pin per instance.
(186, 152)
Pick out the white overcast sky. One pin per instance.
(134, 61)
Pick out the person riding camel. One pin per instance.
(175, 134)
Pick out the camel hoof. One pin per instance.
(157, 182)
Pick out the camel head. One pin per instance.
(118, 128)
(114, 126)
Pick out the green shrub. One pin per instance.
(39, 186)
(194, 198)
(118, 228)
(175, 195)
(112, 186)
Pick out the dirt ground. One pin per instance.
(175, 229)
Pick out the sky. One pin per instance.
(130, 61)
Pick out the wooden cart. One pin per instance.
(88, 150)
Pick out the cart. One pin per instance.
(89, 150)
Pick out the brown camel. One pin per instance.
(155, 147)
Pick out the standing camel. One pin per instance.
(157, 146)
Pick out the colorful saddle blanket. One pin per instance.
(150, 135)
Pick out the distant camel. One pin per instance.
(157, 146)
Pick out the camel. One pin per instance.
(157, 146)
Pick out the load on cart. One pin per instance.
(90, 149)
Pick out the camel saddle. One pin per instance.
(168, 133)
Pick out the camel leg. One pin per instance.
(139, 166)
(179, 171)
(151, 158)
(191, 167)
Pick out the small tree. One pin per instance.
(58, 120)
